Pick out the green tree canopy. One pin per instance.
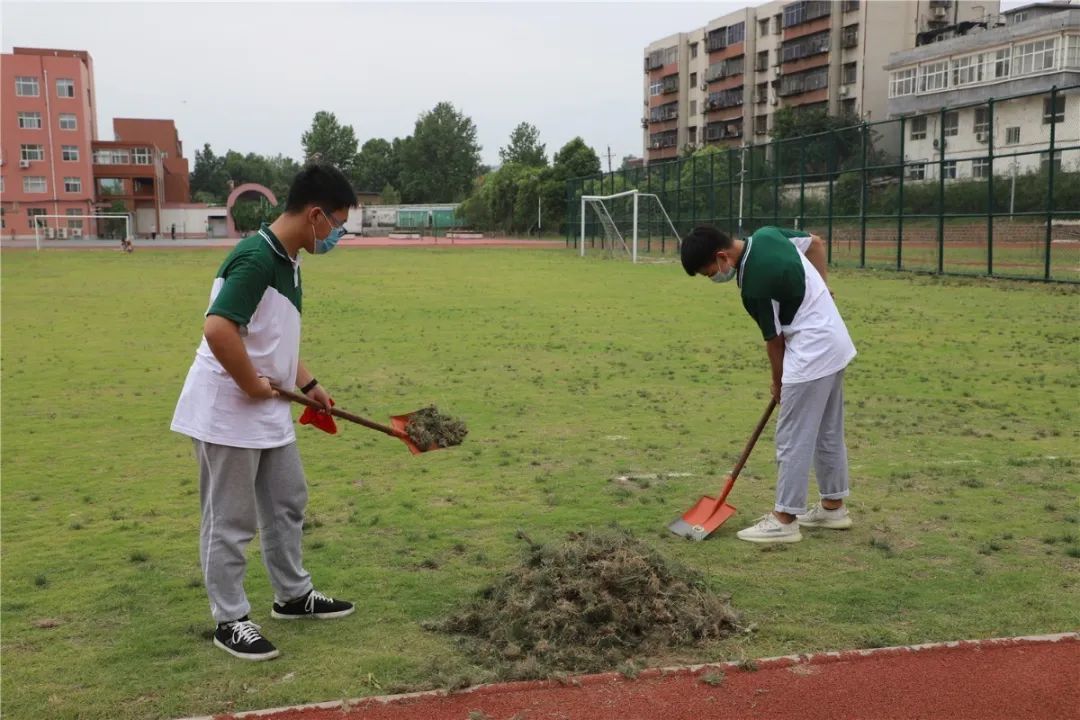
(525, 147)
(330, 142)
(439, 162)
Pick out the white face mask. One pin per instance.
(721, 276)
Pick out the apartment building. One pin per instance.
(1027, 50)
(722, 83)
(52, 162)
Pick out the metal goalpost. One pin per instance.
(51, 232)
(599, 204)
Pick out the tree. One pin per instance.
(818, 156)
(376, 165)
(525, 147)
(440, 160)
(209, 178)
(330, 142)
(390, 195)
(575, 159)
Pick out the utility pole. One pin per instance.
(609, 158)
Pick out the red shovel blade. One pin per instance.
(700, 521)
(398, 422)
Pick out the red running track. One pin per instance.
(1010, 679)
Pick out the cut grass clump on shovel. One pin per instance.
(428, 427)
(587, 605)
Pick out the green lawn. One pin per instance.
(962, 431)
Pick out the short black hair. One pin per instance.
(701, 246)
(321, 185)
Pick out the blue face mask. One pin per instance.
(721, 276)
(327, 243)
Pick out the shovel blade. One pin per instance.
(701, 520)
(398, 422)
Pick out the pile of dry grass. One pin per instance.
(586, 605)
(428, 428)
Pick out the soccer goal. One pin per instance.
(75, 227)
(626, 221)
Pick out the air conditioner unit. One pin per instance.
(62, 233)
(774, 101)
(24, 164)
(941, 13)
(50, 233)
(759, 98)
(76, 233)
(778, 72)
(982, 137)
(644, 122)
(940, 144)
(844, 90)
(704, 86)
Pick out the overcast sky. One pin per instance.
(249, 77)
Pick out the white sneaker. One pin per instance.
(818, 516)
(770, 530)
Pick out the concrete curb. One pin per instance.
(781, 661)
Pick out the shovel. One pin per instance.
(698, 522)
(395, 429)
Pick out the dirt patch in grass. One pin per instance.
(428, 427)
(587, 604)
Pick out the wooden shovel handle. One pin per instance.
(305, 400)
(746, 451)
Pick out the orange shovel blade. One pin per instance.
(398, 422)
(700, 521)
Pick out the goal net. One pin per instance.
(626, 224)
(99, 226)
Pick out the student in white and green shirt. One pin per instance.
(250, 474)
(782, 282)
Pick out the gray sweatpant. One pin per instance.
(811, 428)
(241, 489)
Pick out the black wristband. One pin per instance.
(310, 386)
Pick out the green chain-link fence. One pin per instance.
(988, 189)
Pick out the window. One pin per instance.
(663, 139)
(668, 111)
(1012, 136)
(1, 183)
(1035, 56)
(29, 121)
(980, 168)
(3, 222)
(1019, 17)
(850, 71)
(74, 223)
(762, 62)
(670, 55)
(763, 27)
(32, 152)
(655, 87)
(69, 153)
(761, 94)
(111, 186)
(693, 80)
(799, 12)
(32, 213)
(902, 82)
(982, 120)
(1002, 60)
(918, 127)
(26, 87)
(65, 88)
(1054, 110)
(952, 124)
(693, 50)
(724, 98)
(72, 184)
(967, 70)
(669, 84)
(805, 46)
(34, 184)
(934, 76)
(796, 83)
(111, 157)
(778, 23)
(1072, 56)
(916, 171)
(693, 108)
(692, 134)
(1044, 162)
(68, 121)
(847, 107)
(761, 124)
(736, 33)
(948, 169)
(849, 6)
(849, 37)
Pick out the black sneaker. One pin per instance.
(315, 605)
(241, 638)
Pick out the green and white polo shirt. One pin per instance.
(786, 295)
(258, 288)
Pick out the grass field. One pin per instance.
(962, 429)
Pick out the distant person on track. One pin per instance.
(782, 277)
(250, 473)
(172, 231)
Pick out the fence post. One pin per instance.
(712, 189)
(900, 200)
(802, 184)
(776, 192)
(862, 204)
(830, 167)
(693, 189)
(1050, 181)
(941, 193)
(990, 187)
(731, 191)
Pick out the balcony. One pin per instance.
(670, 84)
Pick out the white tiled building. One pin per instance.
(1031, 49)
